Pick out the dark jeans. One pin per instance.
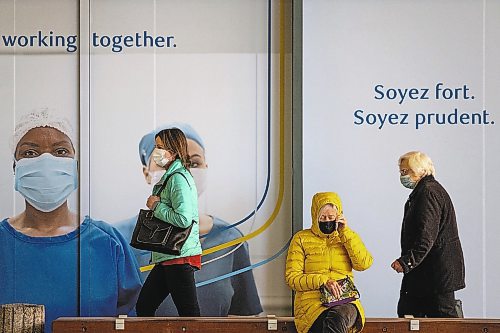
(177, 280)
(337, 319)
(432, 306)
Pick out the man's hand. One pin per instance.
(397, 266)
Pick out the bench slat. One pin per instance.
(260, 324)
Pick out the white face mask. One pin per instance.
(159, 157)
(200, 179)
(155, 176)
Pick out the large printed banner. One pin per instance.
(83, 92)
(382, 78)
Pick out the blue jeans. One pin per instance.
(337, 319)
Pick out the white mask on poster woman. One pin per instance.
(200, 179)
(155, 176)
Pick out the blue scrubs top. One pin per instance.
(90, 271)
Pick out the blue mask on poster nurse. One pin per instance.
(46, 181)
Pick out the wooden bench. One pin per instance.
(262, 324)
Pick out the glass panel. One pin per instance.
(39, 67)
(213, 74)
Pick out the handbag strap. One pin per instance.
(166, 180)
(165, 184)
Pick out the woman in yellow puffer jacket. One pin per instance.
(321, 255)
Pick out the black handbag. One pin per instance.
(152, 234)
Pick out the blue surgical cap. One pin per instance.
(147, 143)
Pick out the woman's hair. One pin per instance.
(328, 205)
(175, 141)
(419, 163)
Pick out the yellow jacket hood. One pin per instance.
(318, 201)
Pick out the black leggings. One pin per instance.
(177, 280)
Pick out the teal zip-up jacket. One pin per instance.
(178, 206)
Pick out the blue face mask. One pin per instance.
(407, 182)
(46, 181)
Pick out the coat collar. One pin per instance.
(421, 184)
(174, 167)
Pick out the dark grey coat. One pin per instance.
(431, 253)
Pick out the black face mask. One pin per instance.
(328, 227)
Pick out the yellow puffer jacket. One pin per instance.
(314, 258)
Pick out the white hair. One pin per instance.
(419, 163)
